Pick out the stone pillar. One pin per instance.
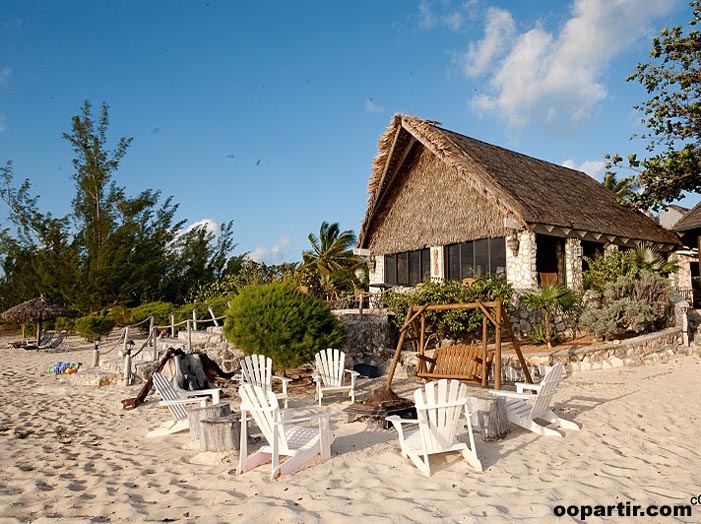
(437, 262)
(573, 262)
(376, 273)
(521, 266)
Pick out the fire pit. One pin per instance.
(382, 403)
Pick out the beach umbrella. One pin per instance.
(34, 310)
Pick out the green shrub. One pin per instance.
(121, 315)
(280, 322)
(548, 301)
(634, 263)
(93, 327)
(454, 325)
(160, 310)
(64, 324)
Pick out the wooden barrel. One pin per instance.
(195, 416)
(221, 434)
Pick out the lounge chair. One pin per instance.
(439, 406)
(258, 370)
(329, 372)
(43, 340)
(284, 434)
(176, 401)
(523, 408)
(57, 343)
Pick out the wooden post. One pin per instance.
(211, 312)
(497, 349)
(517, 347)
(360, 305)
(221, 434)
(172, 325)
(96, 355)
(154, 339)
(126, 338)
(484, 352)
(189, 335)
(698, 243)
(395, 359)
(127, 368)
(194, 319)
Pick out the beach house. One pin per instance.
(444, 205)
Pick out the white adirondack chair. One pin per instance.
(329, 372)
(176, 401)
(524, 408)
(282, 432)
(439, 406)
(258, 370)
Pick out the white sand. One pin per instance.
(68, 453)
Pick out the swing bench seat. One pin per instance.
(459, 362)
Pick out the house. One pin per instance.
(689, 229)
(445, 205)
(670, 215)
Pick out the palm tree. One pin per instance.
(550, 299)
(648, 258)
(332, 253)
(624, 189)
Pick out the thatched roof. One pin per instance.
(33, 310)
(532, 193)
(692, 220)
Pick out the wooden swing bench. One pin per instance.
(461, 362)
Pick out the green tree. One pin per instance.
(331, 261)
(672, 117)
(625, 189)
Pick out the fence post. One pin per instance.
(126, 337)
(127, 368)
(189, 335)
(211, 312)
(360, 305)
(172, 325)
(154, 340)
(194, 319)
(96, 355)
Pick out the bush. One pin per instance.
(280, 322)
(454, 325)
(93, 327)
(629, 305)
(64, 324)
(121, 315)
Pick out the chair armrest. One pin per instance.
(520, 386)
(398, 420)
(199, 392)
(511, 394)
(426, 359)
(283, 379)
(183, 401)
(315, 416)
(352, 372)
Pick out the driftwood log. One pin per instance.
(131, 403)
(196, 415)
(220, 434)
(488, 416)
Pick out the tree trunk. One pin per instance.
(221, 434)
(488, 416)
(195, 416)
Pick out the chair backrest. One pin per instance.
(167, 392)
(257, 370)
(58, 340)
(439, 406)
(330, 365)
(46, 337)
(262, 404)
(461, 361)
(548, 388)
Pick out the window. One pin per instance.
(474, 258)
(407, 268)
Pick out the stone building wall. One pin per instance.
(573, 262)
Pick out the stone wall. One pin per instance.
(573, 262)
(370, 339)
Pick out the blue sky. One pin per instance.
(268, 113)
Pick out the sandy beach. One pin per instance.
(68, 453)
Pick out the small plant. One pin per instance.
(160, 310)
(280, 322)
(548, 300)
(93, 327)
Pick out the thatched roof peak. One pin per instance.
(530, 191)
(691, 220)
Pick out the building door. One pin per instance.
(550, 259)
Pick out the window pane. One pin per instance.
(414, 267)
(453, 254)
(466, 259)
(481, 256)
(497, 256)
(403, 269)
(391, 270)
(425, 264)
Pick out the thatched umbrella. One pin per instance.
(34, 310)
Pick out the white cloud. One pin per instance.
(210, 225)
(499, 32)
(443, 13)
(5, 73)
(272, 255)
(3, 123)
(372, 107)
(555, 77)
(593, 168)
